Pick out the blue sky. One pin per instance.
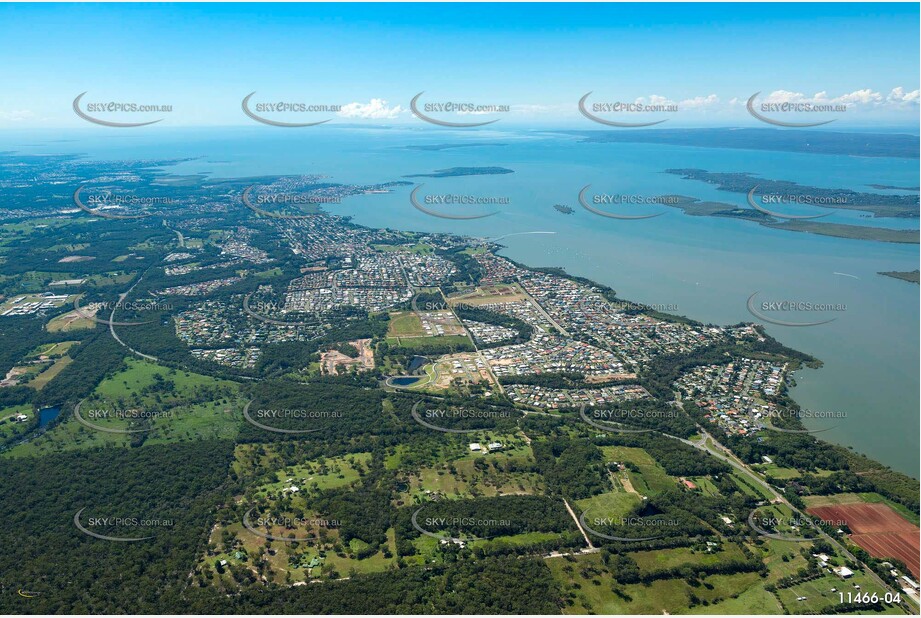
(538, 59)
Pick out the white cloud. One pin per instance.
(377, 109)
(17, 115)
(865, 97)
(898, 96)
(699, 102)
(692, 103)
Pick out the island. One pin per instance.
(910, 276)
(462, 171)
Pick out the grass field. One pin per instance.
(819, 595)
(405, 324)
(705, 484)
(650, 479)
(317, 475)
(424, 343)
(42, 379)
(613, 504)
(590, 586)
(462, 474)
(9, 426)
(667, 558)
(776, 471)
(190, 409)
(52, 350)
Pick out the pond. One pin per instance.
(46, 415)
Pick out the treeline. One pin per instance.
(434, 346)
(522, 328)
(677, 458)
(93, 361)
(486, 517)
(171, 487)
(571, 468)
(503, 585)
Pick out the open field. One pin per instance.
(591, 590)
(879, 530)
(71, 321)
(650, 478)
(187, 406)
(490, 294)
(405, 324)
(51, 350)
(819, 596)
(315, 475)
(667, 558)
(42, 379)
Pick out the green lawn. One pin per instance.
(819, 595)
(317, 475)
(650, 479)
(593, 592)
(188, 406)
(405, 324)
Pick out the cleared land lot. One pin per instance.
(878, 529)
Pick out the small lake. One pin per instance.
(404, 380)
(46, 415)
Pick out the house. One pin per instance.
(911, 583)
(494, 446)
(843, 572)
(475, 447)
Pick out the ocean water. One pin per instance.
(707, 267)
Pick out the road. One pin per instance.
(729, 457)
(122, 297)
(572, 514)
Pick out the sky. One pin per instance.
(700, 61)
